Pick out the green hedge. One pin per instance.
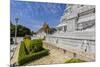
(36, 45)
(73, 60)
(22, 51)
(33, 45)
(27, 43)
(33, 56)
(31, 50)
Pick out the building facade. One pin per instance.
(77, 17)
(76, 31)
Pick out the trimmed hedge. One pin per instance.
(31, 50)
(73, 60)
(36, 45)
(32, 56)
(33, 45)
(27, 43)
(22, 51)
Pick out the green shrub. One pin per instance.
(36, 45)
(33, 56)
(31, 50)
(73, 60)
(27, 44)
(33, 45)
(22, 51)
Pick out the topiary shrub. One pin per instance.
(73, 60)
(31, 50)
(22, 51)
(36, 45)
(32, 56)
(33, 45)
(27, 42)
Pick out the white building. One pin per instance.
(76, 31)
(41, 34)
(77, 17)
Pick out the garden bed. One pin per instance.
(31, 50)
(33, 56)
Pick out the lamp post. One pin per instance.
(16, 30)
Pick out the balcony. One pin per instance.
(67, 16)
(62, 24)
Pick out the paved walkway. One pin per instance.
(56, 56)
(15, 57)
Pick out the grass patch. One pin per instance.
(73, 60)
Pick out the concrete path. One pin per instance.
(56, 56)
(15, 57)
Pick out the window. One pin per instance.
(94, 10)
(65, 28)
(82, 5)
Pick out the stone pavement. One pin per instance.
(56, 56)
(15, 57)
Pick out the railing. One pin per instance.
(68, 16)
(86, 19)
(87, 35)
(78, 42)
(85, 8)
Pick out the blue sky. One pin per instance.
(34, 14)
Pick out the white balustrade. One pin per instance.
(85, 8)
(79, 43)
